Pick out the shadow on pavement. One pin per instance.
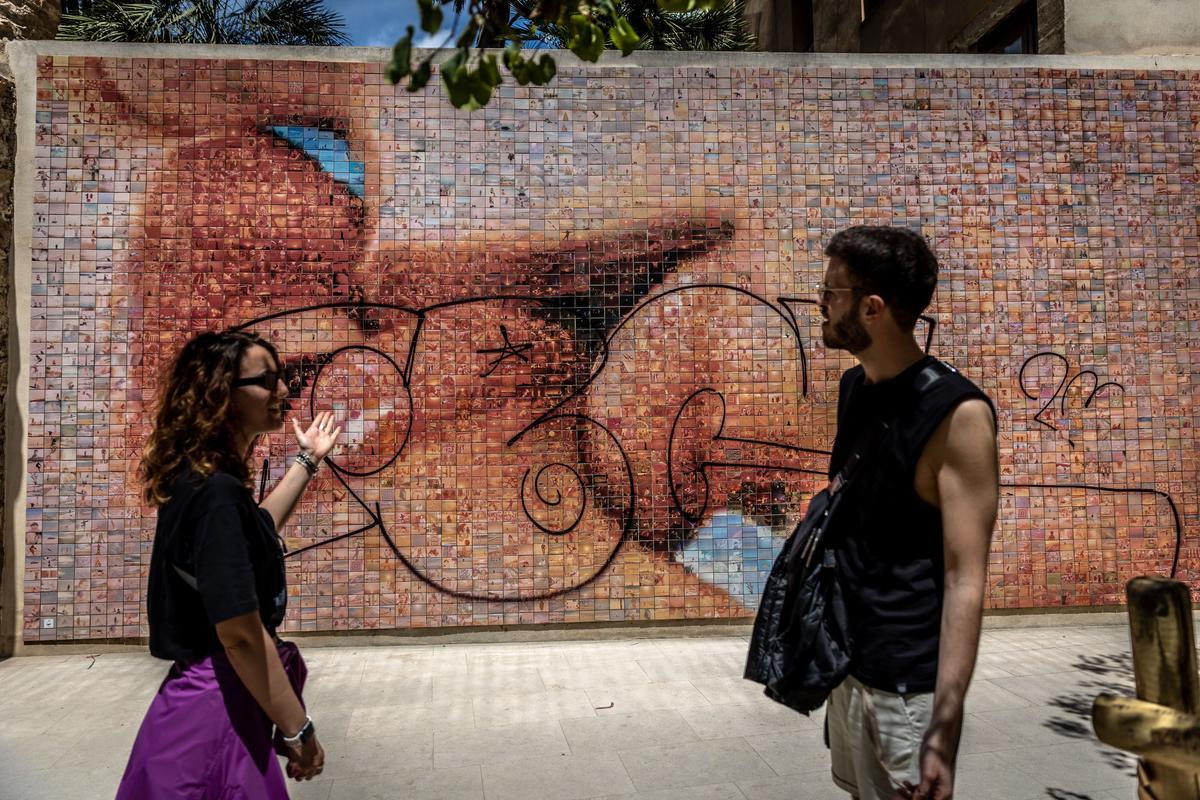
(1113, 673)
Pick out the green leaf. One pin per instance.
(431, 15)
(512, 55)
(420, 76)
(401, 63)
(516, 64)
(402, 52)
(457, 78)
(456, 61)
(481, 90)
(543, 70)
(538, 72)
(470, 88)
(586, 39)
(489, 71)
(457, 90)
(624, 36)
(469, 91)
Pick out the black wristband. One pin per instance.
(306, 461)
(302, 736)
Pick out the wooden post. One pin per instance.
(1149, 731)
(1164, 671)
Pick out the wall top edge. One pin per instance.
(613, 60)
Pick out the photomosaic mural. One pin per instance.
(573, 336)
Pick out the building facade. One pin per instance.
(1047, 27)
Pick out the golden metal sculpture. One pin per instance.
(1162, 726)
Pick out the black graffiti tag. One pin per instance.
(1063, 389)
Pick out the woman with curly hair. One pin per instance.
(217, 588)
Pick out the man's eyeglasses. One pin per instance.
(825, 293)
(268, 381)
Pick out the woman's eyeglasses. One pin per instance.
(268, 381)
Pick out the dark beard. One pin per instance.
(847, 334)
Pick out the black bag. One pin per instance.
(801, 646)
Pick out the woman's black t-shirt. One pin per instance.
(216, 556)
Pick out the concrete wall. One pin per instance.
(924, 26)
(572, 336)
(1132, 26)
(1078, 27)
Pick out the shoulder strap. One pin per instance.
(935, 392)
(866, 446)
(933, 373)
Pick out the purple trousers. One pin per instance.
(205, 736)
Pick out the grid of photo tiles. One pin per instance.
(572, 337)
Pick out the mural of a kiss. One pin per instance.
(571, 335)
(506, 444)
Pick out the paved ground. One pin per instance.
(637, 718)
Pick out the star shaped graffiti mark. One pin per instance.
(506, 351)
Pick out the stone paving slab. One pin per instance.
(639, 719)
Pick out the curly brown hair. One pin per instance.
(194, 424)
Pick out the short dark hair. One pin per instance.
(894, 263)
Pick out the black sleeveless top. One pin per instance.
(890, 548)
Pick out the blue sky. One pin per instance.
(379, 23)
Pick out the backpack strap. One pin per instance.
(936, 391)
(933, 373)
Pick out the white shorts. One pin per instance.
(875, 738)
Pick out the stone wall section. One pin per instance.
(22, 19)
(29, 19)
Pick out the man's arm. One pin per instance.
(968, 491)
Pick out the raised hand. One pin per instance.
(320, 437)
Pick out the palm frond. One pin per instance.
(292, 22)
(545, 35)
(110, 21)
(282, 22)
(723, 28)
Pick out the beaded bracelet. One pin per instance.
(306, 461)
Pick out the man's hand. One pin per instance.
(939, 751)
